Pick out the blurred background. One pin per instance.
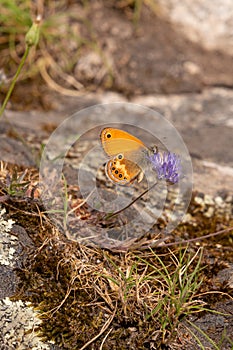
(134, 47)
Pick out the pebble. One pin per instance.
(219, 201)
(208, 200)
(229, 199)
(209, 213)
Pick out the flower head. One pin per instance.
(167, 166)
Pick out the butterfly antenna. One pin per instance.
(131, 203)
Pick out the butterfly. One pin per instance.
(126, 154)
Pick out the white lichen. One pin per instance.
(5, 225)
(8, 242)
(18, 321)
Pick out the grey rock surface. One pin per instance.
(208, 22)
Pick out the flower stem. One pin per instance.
(14, 80)
(31, 39)
(131, 203)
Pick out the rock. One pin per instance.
(203, 21)
(204, 122)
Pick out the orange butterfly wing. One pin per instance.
(115, 141)
(125, 150)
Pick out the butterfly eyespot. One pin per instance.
(121, 147)
(120, 156)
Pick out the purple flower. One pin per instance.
(167, 166)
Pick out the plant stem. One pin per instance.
(131, 203)
(14, 80)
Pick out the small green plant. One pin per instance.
(125, 283)
(15, 185)
(176, 292)
(65, 203)
(168, 293)
(31, 39)
(59, 204)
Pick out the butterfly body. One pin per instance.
(126, 153)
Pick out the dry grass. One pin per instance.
(87, 295)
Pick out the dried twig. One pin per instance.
(199, 238)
